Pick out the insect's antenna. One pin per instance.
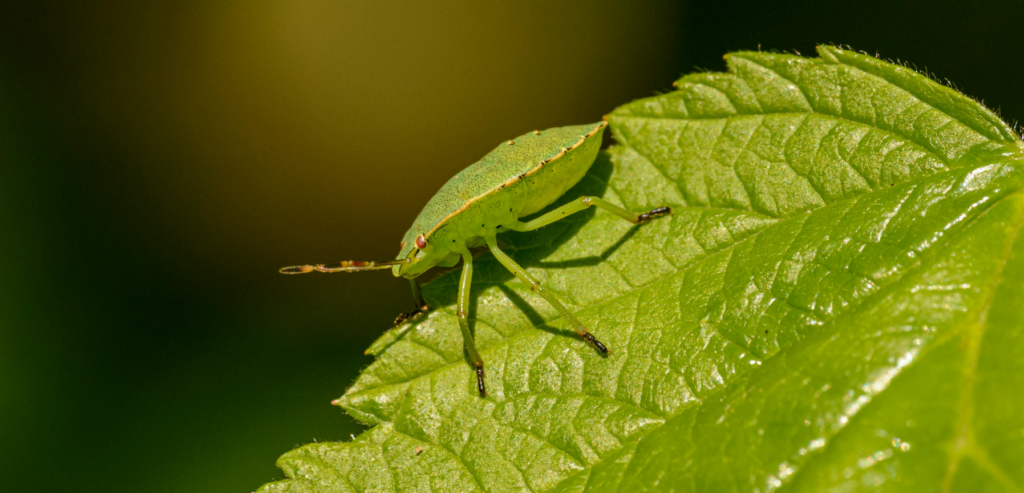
(343, 266)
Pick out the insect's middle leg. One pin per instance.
(462, 312)
(584, 202)
(551, 298)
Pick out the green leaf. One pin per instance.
(835, 303)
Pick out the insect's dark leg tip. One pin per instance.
(480, 381)
(413, 315)
(596, 343)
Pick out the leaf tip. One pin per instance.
(829, 53)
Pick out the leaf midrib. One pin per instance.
(964, 443)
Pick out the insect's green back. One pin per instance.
(503, 169)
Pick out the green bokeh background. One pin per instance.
(160, 160)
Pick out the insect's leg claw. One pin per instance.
(480, 381)
(410, 316)
(647, 216)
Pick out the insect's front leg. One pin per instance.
(462, 311)
(421, 305)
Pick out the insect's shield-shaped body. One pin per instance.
(519, 177)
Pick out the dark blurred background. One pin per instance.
(160, 160)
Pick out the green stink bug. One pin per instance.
(518, 178)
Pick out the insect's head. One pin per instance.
(417, 256)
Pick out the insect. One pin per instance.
(518, 178)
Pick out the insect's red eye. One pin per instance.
(420, 242)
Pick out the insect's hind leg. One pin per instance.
(584, 202)
(421, 305)
(551, 298)
(462, 313)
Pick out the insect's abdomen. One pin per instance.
(525, 174)
(552, 180)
